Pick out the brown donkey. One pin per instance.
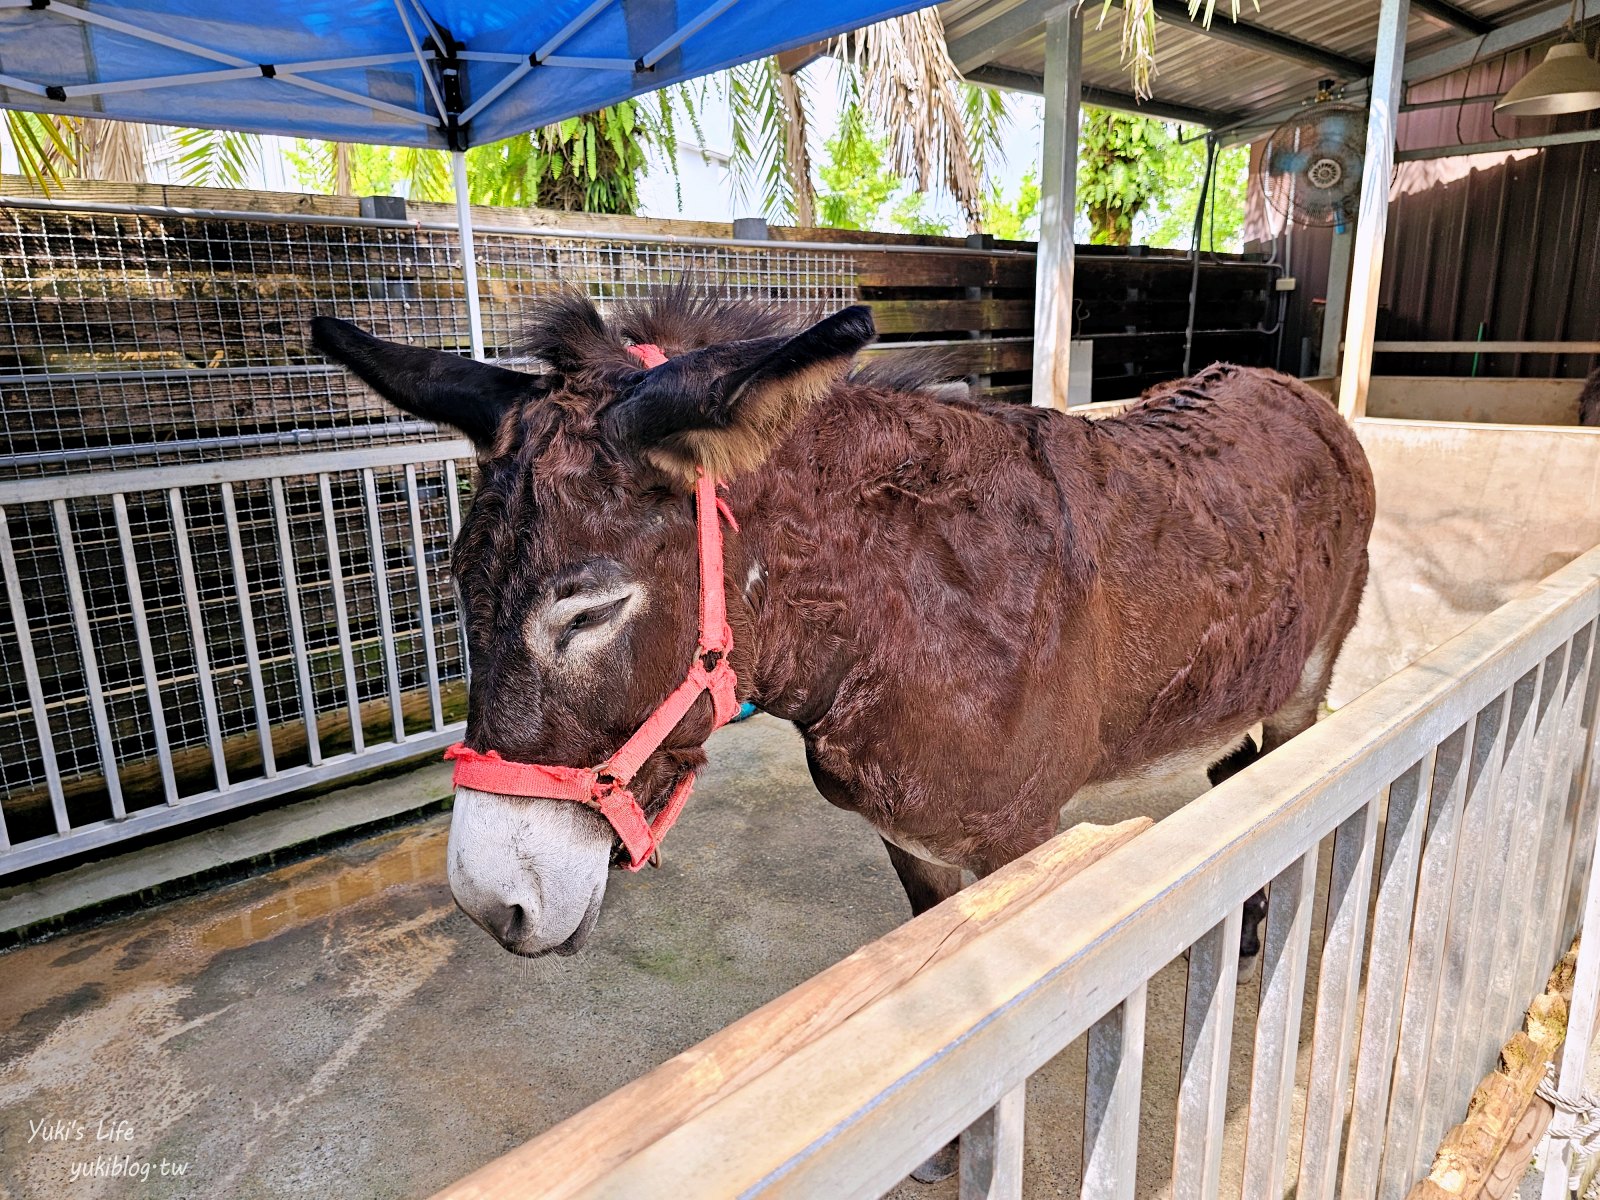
(970, 610)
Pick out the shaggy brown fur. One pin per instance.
(970, 610)
(1589, 400)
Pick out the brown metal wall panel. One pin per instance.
(1507, 243)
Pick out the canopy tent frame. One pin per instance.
(426, 83)
(241, 68)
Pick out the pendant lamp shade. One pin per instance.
(1567, 81)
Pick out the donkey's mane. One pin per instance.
(566, 330)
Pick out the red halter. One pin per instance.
(605, 788)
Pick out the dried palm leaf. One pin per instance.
(1139, 34)
(796, 158)
(910, 88)
(112, 150)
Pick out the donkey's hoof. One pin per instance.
(1249, 967)
(941, 1165)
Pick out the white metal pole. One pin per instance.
(1339, 262)
(1388, 89)
(469, 258)
(1058, 205)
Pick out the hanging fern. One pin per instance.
(1139, 34)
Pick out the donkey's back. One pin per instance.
(1229, 521)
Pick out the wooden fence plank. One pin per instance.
(1354, 845)
(1284, 953)
(991, 1150)
(1111, 1101)
(1405, 818)
(1418, 1047)
(1207, 1042)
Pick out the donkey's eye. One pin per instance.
(590, 617)
(559, 626)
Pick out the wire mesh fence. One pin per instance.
(226, 563)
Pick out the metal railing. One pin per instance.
(224, 559)
(1453, 810)
(254, 626)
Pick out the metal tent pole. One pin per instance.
(1388, 89)
(1058, 205)
(469, 258)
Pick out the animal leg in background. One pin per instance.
(1589, 400)
(926, 884)
(1255, 908)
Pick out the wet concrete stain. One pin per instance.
(336, 1027)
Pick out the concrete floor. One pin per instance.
(337, 1028)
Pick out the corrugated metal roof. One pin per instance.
(1200, 71)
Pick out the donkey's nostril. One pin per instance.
(507, 922)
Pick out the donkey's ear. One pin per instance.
(725, 408)
(431, 384)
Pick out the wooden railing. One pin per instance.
(1454, 811)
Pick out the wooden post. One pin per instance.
(1058, 205)
(1388, 89)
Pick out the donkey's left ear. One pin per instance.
(725, 408)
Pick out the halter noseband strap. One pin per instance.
(605, 788)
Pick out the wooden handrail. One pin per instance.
(576, 1156)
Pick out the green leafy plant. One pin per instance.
(589, 163)
(859, 189)
(1171, 212)
(1120, 170)
(1015, 219)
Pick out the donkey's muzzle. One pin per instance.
(530, 872)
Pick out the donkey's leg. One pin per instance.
(1255, 908)
(926, 884)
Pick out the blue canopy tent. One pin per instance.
(442, 73)
(445, 73)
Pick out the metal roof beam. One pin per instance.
(1023, 81)
(1186, 114)
(1503, 38)
(1450, 14)
(1003, 31)
(1265, 41)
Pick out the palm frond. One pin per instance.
(216, 157)
(112, 150)
(987, 118)
(760, 140)
(796, 157)
(910, 88)
(46, 145)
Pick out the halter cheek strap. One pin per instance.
(605, 788)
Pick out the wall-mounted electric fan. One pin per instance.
(1311, 172)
